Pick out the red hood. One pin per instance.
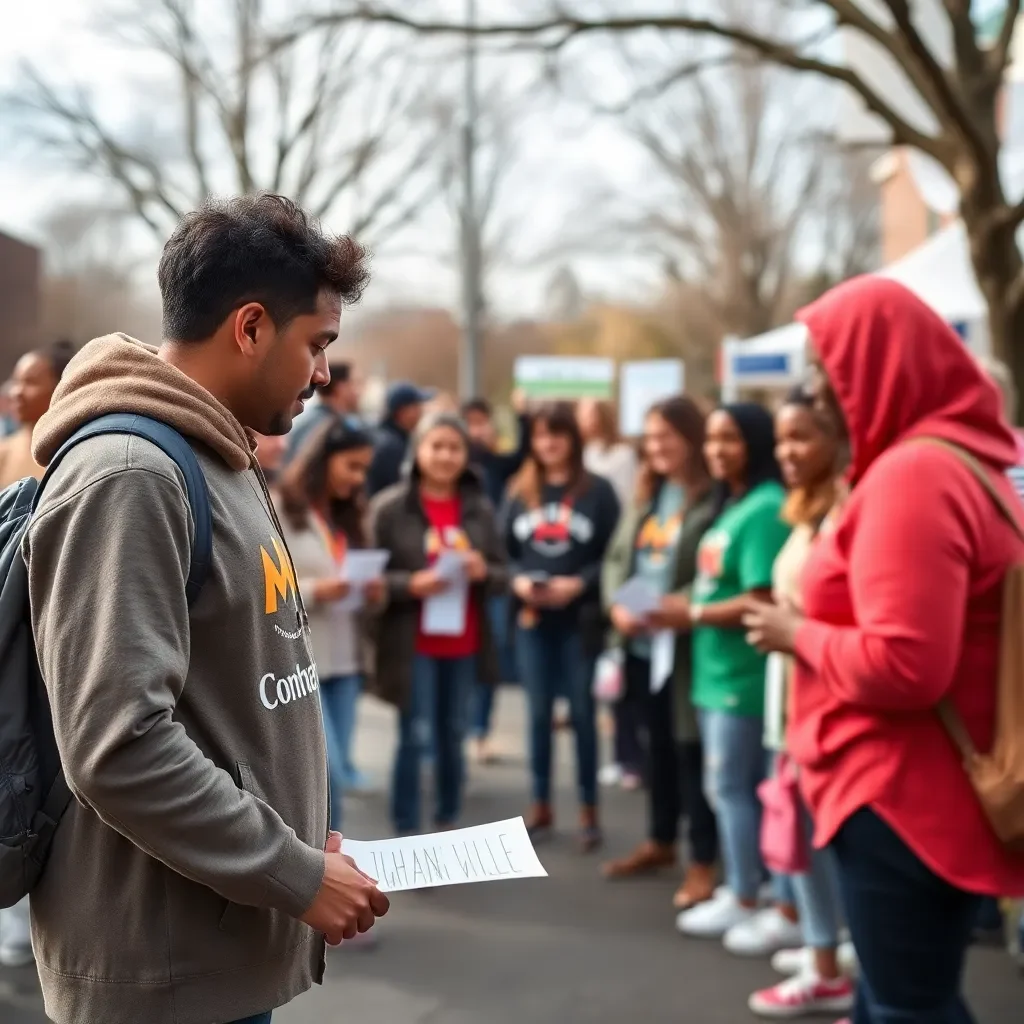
(900, 371)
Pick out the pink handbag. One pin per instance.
(784, 845)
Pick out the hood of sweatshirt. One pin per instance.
(899, 371)
(116, 373)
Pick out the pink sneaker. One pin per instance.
(804, 994)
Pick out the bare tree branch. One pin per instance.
(558, 30)
(999, 56)
(331, 134)
(946, 99)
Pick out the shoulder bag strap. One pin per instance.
(948, 715)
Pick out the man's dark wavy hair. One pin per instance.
(253, 248)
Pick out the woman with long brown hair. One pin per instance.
(323, 506)
(658, 542)
(558, 522)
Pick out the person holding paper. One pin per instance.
(812, 454)
(657, 543)
(734, 565)
(323, 504)
(433, 638)
(559, 520)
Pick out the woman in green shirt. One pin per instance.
(734, 564)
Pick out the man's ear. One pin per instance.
(249, 321)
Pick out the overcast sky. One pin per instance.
(566, 154)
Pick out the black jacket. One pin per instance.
(497, 468)
(389, 450)
(398, 524)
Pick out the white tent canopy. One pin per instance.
(939, 272)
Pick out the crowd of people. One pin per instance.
(817, 581)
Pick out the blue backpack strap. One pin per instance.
(175, 447)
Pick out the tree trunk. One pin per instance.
(999, 268)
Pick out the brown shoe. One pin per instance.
(590, 837)
(646, 859)
(540, 820)
(698, 886)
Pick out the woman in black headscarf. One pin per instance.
(734, 564)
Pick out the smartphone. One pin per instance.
(539, 580)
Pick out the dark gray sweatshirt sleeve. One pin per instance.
(107, 569)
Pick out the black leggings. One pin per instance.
(675, 771)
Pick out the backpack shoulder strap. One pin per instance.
(948, 715)
(176, 447)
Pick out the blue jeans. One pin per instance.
(734, 766)
(484, 694)
(552, 662)
(911, 929)
(435, 714)
(260, 1018)
(339, 698)
(815, 894)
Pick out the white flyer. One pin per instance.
(359, 568)
(494, 852)
(444, 614)
(638, 596)
(663, 658)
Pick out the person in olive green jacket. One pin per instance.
(657, 541)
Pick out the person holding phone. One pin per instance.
(558, 522)
(438, 513)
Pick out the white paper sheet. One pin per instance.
(358, 569)
(444, 614)
(638, 596)
(775, 702)
(450, 565)
(663, 658)
(482, 853)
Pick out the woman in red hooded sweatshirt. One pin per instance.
(903, 608)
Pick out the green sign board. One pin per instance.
(565, 376)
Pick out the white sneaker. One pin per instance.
(766, 932)
(610, 775)
(713, 919)
(801, 961)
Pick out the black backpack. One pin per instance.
(33, 792)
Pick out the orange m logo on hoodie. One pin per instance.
(278, 577)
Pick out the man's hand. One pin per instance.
(476, 566)
(348, 902)
(426, 583)
(626, 623)
(672, 613)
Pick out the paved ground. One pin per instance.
(569, 949)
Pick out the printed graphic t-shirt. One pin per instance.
(735, 557)
(656, 542)
(444, 531)
(564, 536)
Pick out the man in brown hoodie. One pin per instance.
(193, 880)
